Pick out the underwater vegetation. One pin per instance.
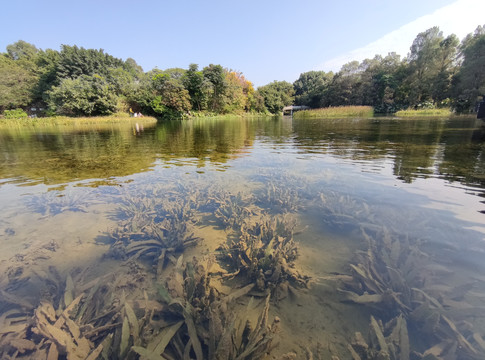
(206, 321)
(230, 209)
(390, 277)
(156, 305)
(162, 302)
(53, 203)
(154, 227)
(263, 252)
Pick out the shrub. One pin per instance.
(83, 96)
(15, 114)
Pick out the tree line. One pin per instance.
(439, 71)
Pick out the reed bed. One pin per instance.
(424, 112)
(66, 120)
(336, 112)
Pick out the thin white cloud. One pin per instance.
(459, 18)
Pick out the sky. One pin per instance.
(266, 40)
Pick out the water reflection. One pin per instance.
(451, 149)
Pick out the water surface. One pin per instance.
(398, 200)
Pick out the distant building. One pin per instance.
(289, 110)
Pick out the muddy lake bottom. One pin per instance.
(244, 239)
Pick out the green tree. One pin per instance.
(75, 61)
(238, 90)
(16, 84)
(311, 87)
(277, 95)
(216, 86)
(83, 96)
(47, 68)
(470, 79)
(142, 96)
(122, 81)
(380, 80)
(256, 103)
(193, 81)
(132, 67)
(170, 93)
(345, 88)
(21, 50)
(431, 65)
(447, 66)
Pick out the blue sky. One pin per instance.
(266, 40)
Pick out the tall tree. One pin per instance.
(216, 77)
(310, 87)
(345, 88)
(193, 81)
(83, 96)
(430, 63)
(277, 95)
(446, 67)
(21, 50)
(380, 81)
(16, 84)
(171, 96)
(470, 79)
(75, 61)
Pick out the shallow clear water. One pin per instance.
(398, 200)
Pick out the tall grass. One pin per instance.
(336, 112)
(65, 120)
(424, 112)
(242, 115)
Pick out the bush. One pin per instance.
(15, 114)
(83, 96)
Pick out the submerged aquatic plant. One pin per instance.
(204, 326)
(155, 204)
(390, 278)
(230, 209)
(54, 202)
(158, 241)
(155, 228)
(281, 192)
(343, 211)
(49, 333)
(279, 197)
(387, 341)
(265, 252)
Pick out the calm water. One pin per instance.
(388, 216)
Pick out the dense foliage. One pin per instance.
(438, 72)
(85, 82)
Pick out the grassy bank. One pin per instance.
(336, 112)
(209, 115)
(424, 112)
(65, 120)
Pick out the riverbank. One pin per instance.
(336, 112)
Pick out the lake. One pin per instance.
(234, 238)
